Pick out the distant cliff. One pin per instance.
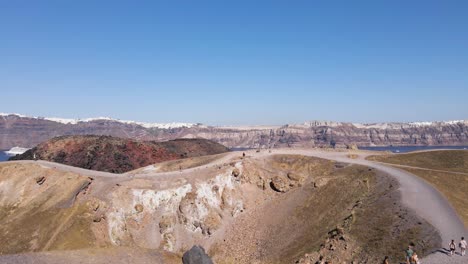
(16, 130)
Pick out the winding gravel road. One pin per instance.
(417, 194)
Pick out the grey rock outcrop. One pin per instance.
(196, 255)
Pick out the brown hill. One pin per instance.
(117, 155)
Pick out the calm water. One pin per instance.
(3, 156)
(402, 149)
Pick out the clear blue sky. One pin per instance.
(236, 62)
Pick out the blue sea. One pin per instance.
(403, 149)
(3, 156)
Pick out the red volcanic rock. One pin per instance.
(117, 155)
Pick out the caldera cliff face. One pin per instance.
(28, 132)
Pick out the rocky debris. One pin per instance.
(166, 223)
(212, 223)
(255, 178)
(139, 208)
(340, 165)
(188, 208)
(95, 206)
(98, 218)
(352, 146)
(295, 177)
(337, 248)
(280, 184)
(196, 255)
(321, 182)
(236, 172)
(40, 180)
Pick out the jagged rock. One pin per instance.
(187, 207)
(211, 223)
(279, 184)
(236, 172)
(196, 255)
(139, 208)
(97, 218)
(168, 241)
(320, 182)
(336, 232)
(166, 222)
(295, 177)
(226, 199)
(94, 204)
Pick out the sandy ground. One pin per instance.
(416, 194)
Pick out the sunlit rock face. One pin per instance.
(22, 131)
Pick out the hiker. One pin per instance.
(409, 254)
(462, 246)
(385, 261)
(452, 247)
(415, 258)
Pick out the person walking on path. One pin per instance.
(409, 254)
(385, 261)
(452, 247)
(462, 246)
(415, 258)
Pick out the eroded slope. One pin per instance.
(254, 209)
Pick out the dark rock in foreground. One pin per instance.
(196, 255)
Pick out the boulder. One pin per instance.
(295, 177)
(280, 184)
(196, 255)
(236, 172)
(139, 208)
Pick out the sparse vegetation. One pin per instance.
(449, 160)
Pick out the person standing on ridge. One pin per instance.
(462, 245)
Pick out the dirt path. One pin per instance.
(417, 195)
(419, 168)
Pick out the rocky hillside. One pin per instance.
(16, 130)
(117, 155)
(253, 209)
